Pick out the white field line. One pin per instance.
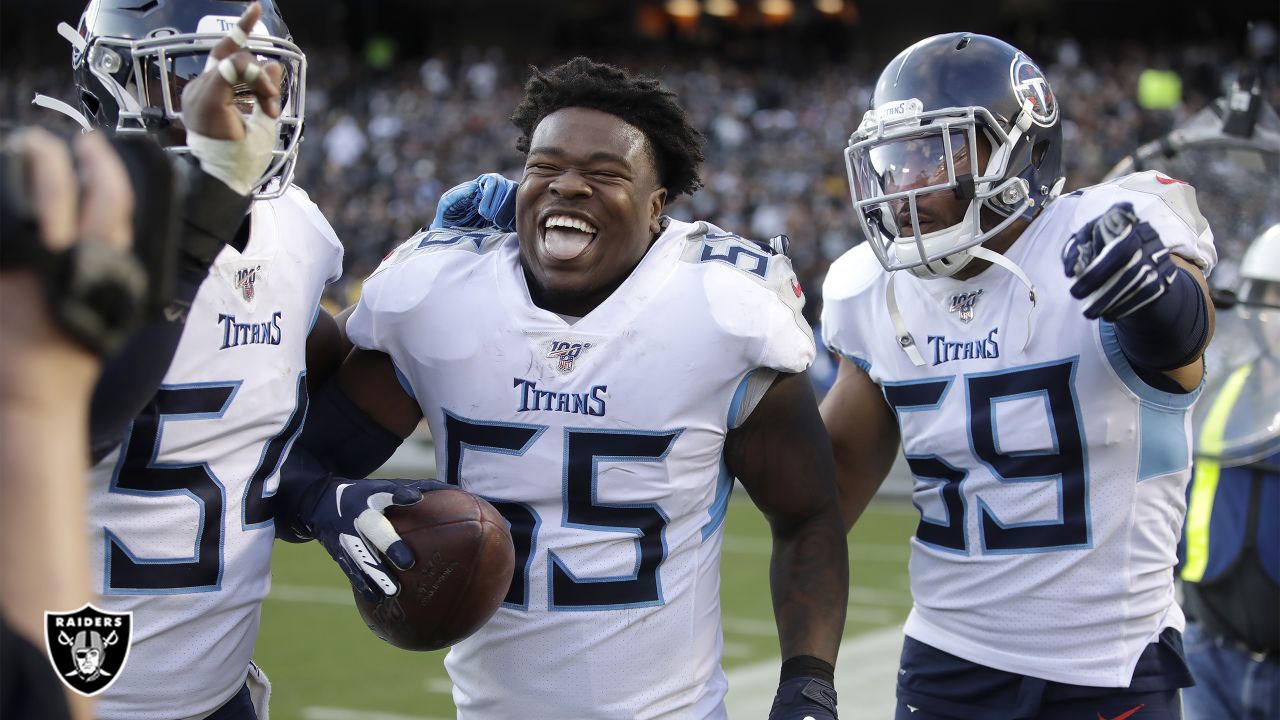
(865, 601)
(866, 676)
(438, 686)
(860, 552)
(336, 713)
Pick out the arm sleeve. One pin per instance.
(338, 439)
(211, 214)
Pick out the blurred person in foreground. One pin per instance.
(46, 376)
(181, 502)
(601, 375)
(70, 294)
(1231, 541)
(1037, 356)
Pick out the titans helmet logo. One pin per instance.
(1033, 91)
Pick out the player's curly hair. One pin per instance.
(641, 101)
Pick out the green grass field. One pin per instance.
(324, 664)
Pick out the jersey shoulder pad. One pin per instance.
(297, 204)
(852, 274)
(849, 293)
(1154, 191)
(762, 271)
(761, 261)
(443, 240)
(1168, 204)
(408, 274)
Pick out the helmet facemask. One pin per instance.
(144, 81)
(901, 153)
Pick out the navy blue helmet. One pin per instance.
(930, 106)
(133, 58)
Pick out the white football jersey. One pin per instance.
(1050, 480)
(180, 521)
(601, 442)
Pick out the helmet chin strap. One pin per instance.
(996, 258)
(58, 106)
(908, 343)
(69, 34)
(911, 251)
(905, 341)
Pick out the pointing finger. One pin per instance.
(236, 37)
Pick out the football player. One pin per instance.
(181, 506)
(600, 375)
(1037, 356)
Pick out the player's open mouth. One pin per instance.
(565, 238)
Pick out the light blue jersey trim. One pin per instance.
(724, 483)
(863, 365)
(735, 405)
(404, 382)
(1162, 418)
(1148, 394)
(1163, 442)
(720, 506)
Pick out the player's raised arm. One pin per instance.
(1128, 275)
(212, 200)
(782, 456)
(230, 146)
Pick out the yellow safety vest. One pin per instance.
(1205, 483)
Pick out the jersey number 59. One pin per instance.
(1063, 463)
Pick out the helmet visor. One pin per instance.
(889, 176)
(916, 163)
(181, 66)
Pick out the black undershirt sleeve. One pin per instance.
(212, 215)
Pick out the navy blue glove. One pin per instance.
(487, 201)
(1119, 264)
(804, 698)
(348, 519)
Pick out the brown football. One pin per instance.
(462, 570)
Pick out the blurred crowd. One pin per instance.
(382, 145)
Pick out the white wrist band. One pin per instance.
(238, 163)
